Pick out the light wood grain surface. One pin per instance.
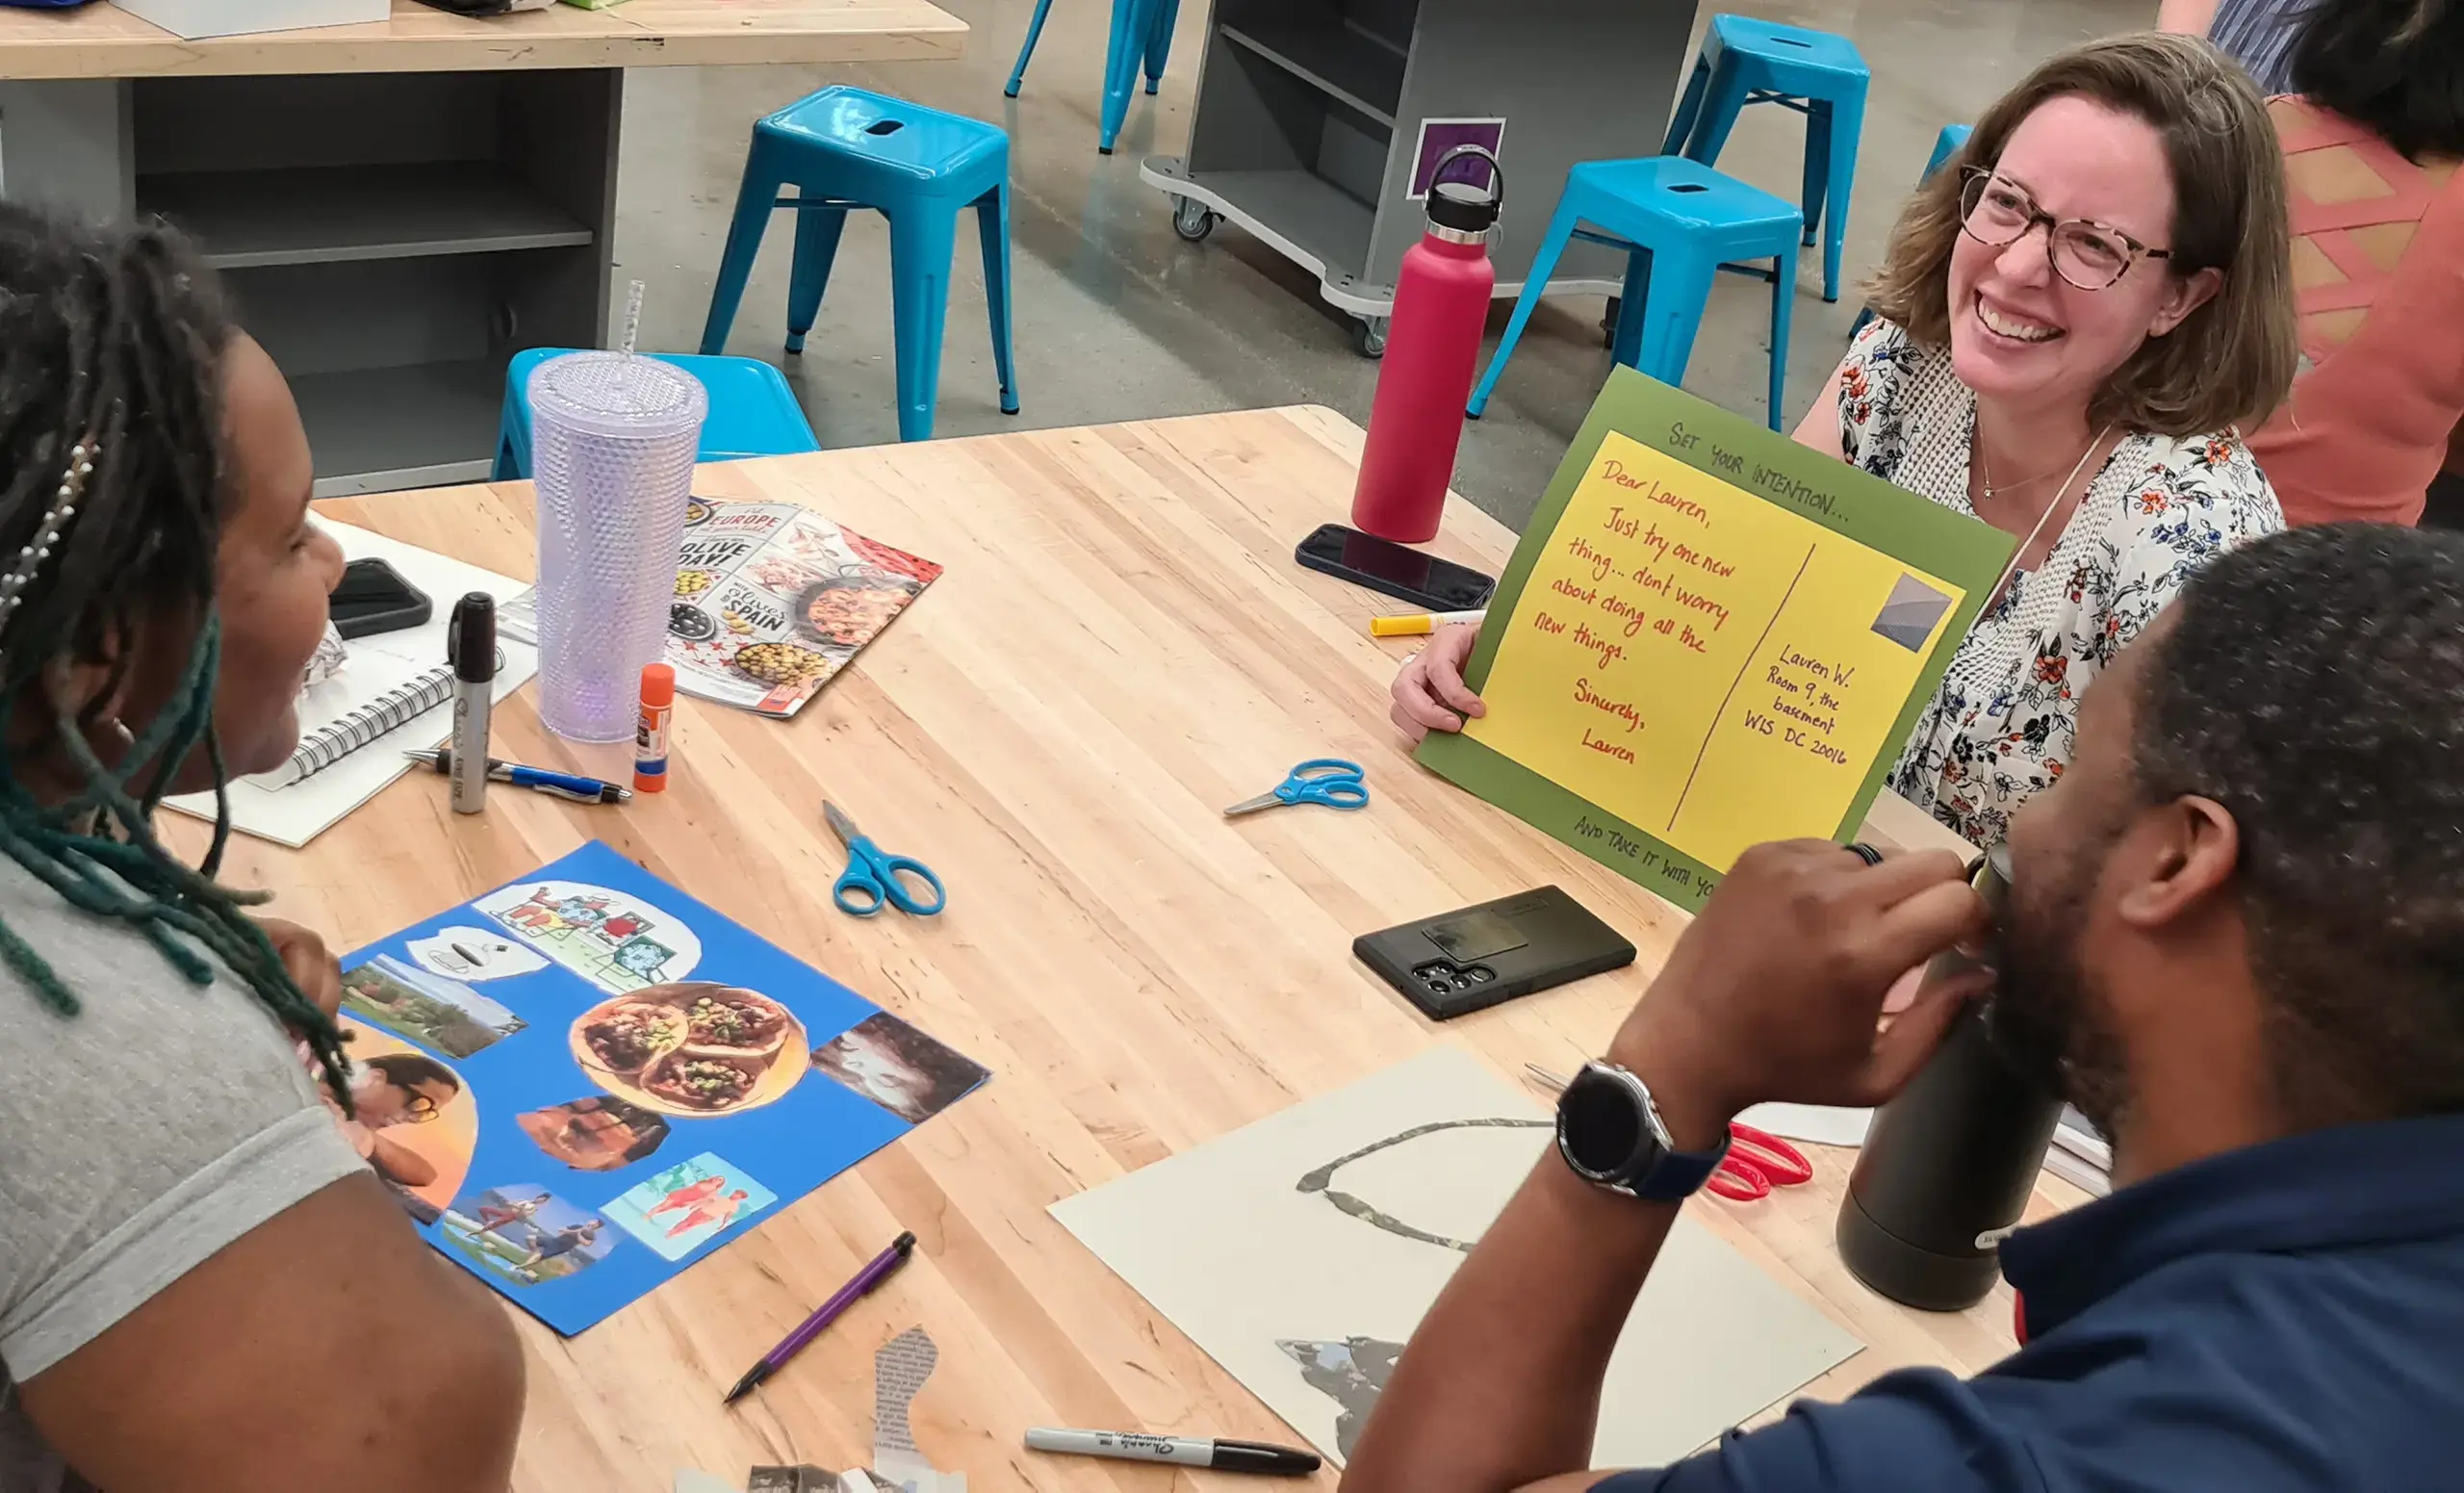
(1120, 647)
(104, 42)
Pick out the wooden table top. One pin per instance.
(1120, 647)
(105, 41)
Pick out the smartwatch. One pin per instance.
(1609, 1132)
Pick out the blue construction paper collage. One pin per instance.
(585, 1081)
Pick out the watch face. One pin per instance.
(1601, 1124)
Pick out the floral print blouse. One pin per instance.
(2001, 726)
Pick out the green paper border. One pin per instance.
(1915, 530)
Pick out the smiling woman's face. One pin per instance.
(2022, 334)
(271, 575)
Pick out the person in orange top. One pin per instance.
(2372, 137)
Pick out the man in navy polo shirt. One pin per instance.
(2237, 930)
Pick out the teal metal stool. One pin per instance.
(1679, 224)
(1821, 77)
(1945, 145)
(1141, 33)
(753, 412)
(844, 149)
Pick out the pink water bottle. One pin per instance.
(1432, 343)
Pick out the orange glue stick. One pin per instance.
(650, 734)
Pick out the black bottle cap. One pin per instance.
(1463, 207)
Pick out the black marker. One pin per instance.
(1252, 1456)
(471, 647)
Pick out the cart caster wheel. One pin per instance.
(1369, 336)
(1193, 220)
(1608, 322)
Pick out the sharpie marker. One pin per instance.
(471, 648)
(1181, 1451)
(538, 780)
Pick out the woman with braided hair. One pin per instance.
(191, 1272)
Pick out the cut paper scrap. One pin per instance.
(899, 1372)
(615, 941)
(1709, 636)
(464, 953)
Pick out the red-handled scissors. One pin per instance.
(1758, 1161)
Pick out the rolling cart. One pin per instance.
(1317, 121)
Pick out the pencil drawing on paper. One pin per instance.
(1350, 1373)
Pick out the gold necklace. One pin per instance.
(2058, 492)
(1985, 469)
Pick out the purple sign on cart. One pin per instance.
(1440, 136)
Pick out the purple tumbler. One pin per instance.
(613, 440)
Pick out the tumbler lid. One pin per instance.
(613, 394)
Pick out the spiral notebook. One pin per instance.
(394, 696)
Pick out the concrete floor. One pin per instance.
(1117, 318)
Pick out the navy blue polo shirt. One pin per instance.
(2289, 1316)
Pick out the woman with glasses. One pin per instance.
(2073, 320)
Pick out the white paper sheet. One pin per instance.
(1303, 1281)
(299, 814)
(1821, 1124)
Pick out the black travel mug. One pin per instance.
(1947, 1166)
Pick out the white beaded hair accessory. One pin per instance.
(54, 523)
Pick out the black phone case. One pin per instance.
(381, 600)
(1302, 557)
(1453, 965)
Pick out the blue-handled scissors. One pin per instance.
(1323, 780)
(872, 880)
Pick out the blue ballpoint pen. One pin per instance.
(538, 780)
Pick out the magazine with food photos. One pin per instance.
(585, 1081)
(772, 599)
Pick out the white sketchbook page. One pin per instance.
(300, 812)
(1221, 1241)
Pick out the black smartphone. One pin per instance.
(374, 598)
(1394, 570)
(1466, 961)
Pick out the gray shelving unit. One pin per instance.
(393, 239)
(1309, 116)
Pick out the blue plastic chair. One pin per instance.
(1141, 32)
(846, 148)
(1680, 222)
(1821, 77)
(753, 412)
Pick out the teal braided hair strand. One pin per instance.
(99, 852)
(111, 343)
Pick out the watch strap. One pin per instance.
(1674, 1176)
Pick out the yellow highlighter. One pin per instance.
(1415, 624)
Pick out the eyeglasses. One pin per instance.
(420, 1108)
(1996, 211)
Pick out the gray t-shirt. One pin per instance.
(137, 1139)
